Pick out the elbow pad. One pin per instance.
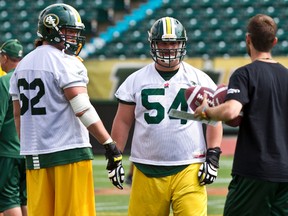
(84, 110)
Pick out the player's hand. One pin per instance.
(208, 170)
(200, 110)
(115, 169)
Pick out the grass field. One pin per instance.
(113, 202)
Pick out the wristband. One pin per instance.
(110, 140)
(204, 113)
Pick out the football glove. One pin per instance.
(208, 170)
(114, 165)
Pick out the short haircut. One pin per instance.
(262, 29)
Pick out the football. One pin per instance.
(236, 121)
(195, 94)
(219, 98)
(220, 94)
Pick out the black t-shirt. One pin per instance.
(262, 144)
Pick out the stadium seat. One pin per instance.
(235, 36)
(281, 48)
(207, 22)
(220, 48)
(3, 5)
(6, 26)
(103, 4)
(217, 35)
(4, 15)
(222, 3)
(200, 49)
(242, 3)
(226, 13)
(196, 35)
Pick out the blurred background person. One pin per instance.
(13, 197)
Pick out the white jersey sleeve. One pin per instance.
(48, 123)
(159, 139)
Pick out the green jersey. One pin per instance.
(9, 141)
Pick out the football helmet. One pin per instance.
(167, 29)
(55, 24)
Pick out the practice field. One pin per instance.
(113, 202)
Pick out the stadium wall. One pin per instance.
(106, 75)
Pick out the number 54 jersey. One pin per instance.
(48, 123)
(159, 139)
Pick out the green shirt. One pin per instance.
(9, 141)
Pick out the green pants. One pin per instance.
(251, 197)
(12, 183)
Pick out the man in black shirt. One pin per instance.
(259, 183)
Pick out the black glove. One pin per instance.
(114, 165)
(208, 170)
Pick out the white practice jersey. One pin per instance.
(48, 123)
(159, 139)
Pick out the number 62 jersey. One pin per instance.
(159, 139)
(48, 123)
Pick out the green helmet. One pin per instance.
(53, 23)
(167, 29)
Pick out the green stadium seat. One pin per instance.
(236, 35)
(6, 26)
(216, 35)
(227, 13)
(201, 48)
(221, 48)
(6, 36)
(196, 35)
(233, 23)
(102, 4)
(204, 3)
(4, 15)
(207, 22)
(242, 3)
(281, 48)
(222, 3)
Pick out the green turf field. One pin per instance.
(112, 202)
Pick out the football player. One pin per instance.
(52, 115)
(168, 153)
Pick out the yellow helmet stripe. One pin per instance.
(168, 28)
(168, 25)
(76, 14)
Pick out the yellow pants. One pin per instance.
(155, 196)
(65, 190)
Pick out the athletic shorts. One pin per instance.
(12, 183)
(253, 197)
(155, 196)
(61, 190)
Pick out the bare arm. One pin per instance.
(214, 135)
(226, 111)
(83, 109)
(122, 124)
(97, 129)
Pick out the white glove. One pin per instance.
(208, 170)
(117, 176)
(207, 173)
(114, 166)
